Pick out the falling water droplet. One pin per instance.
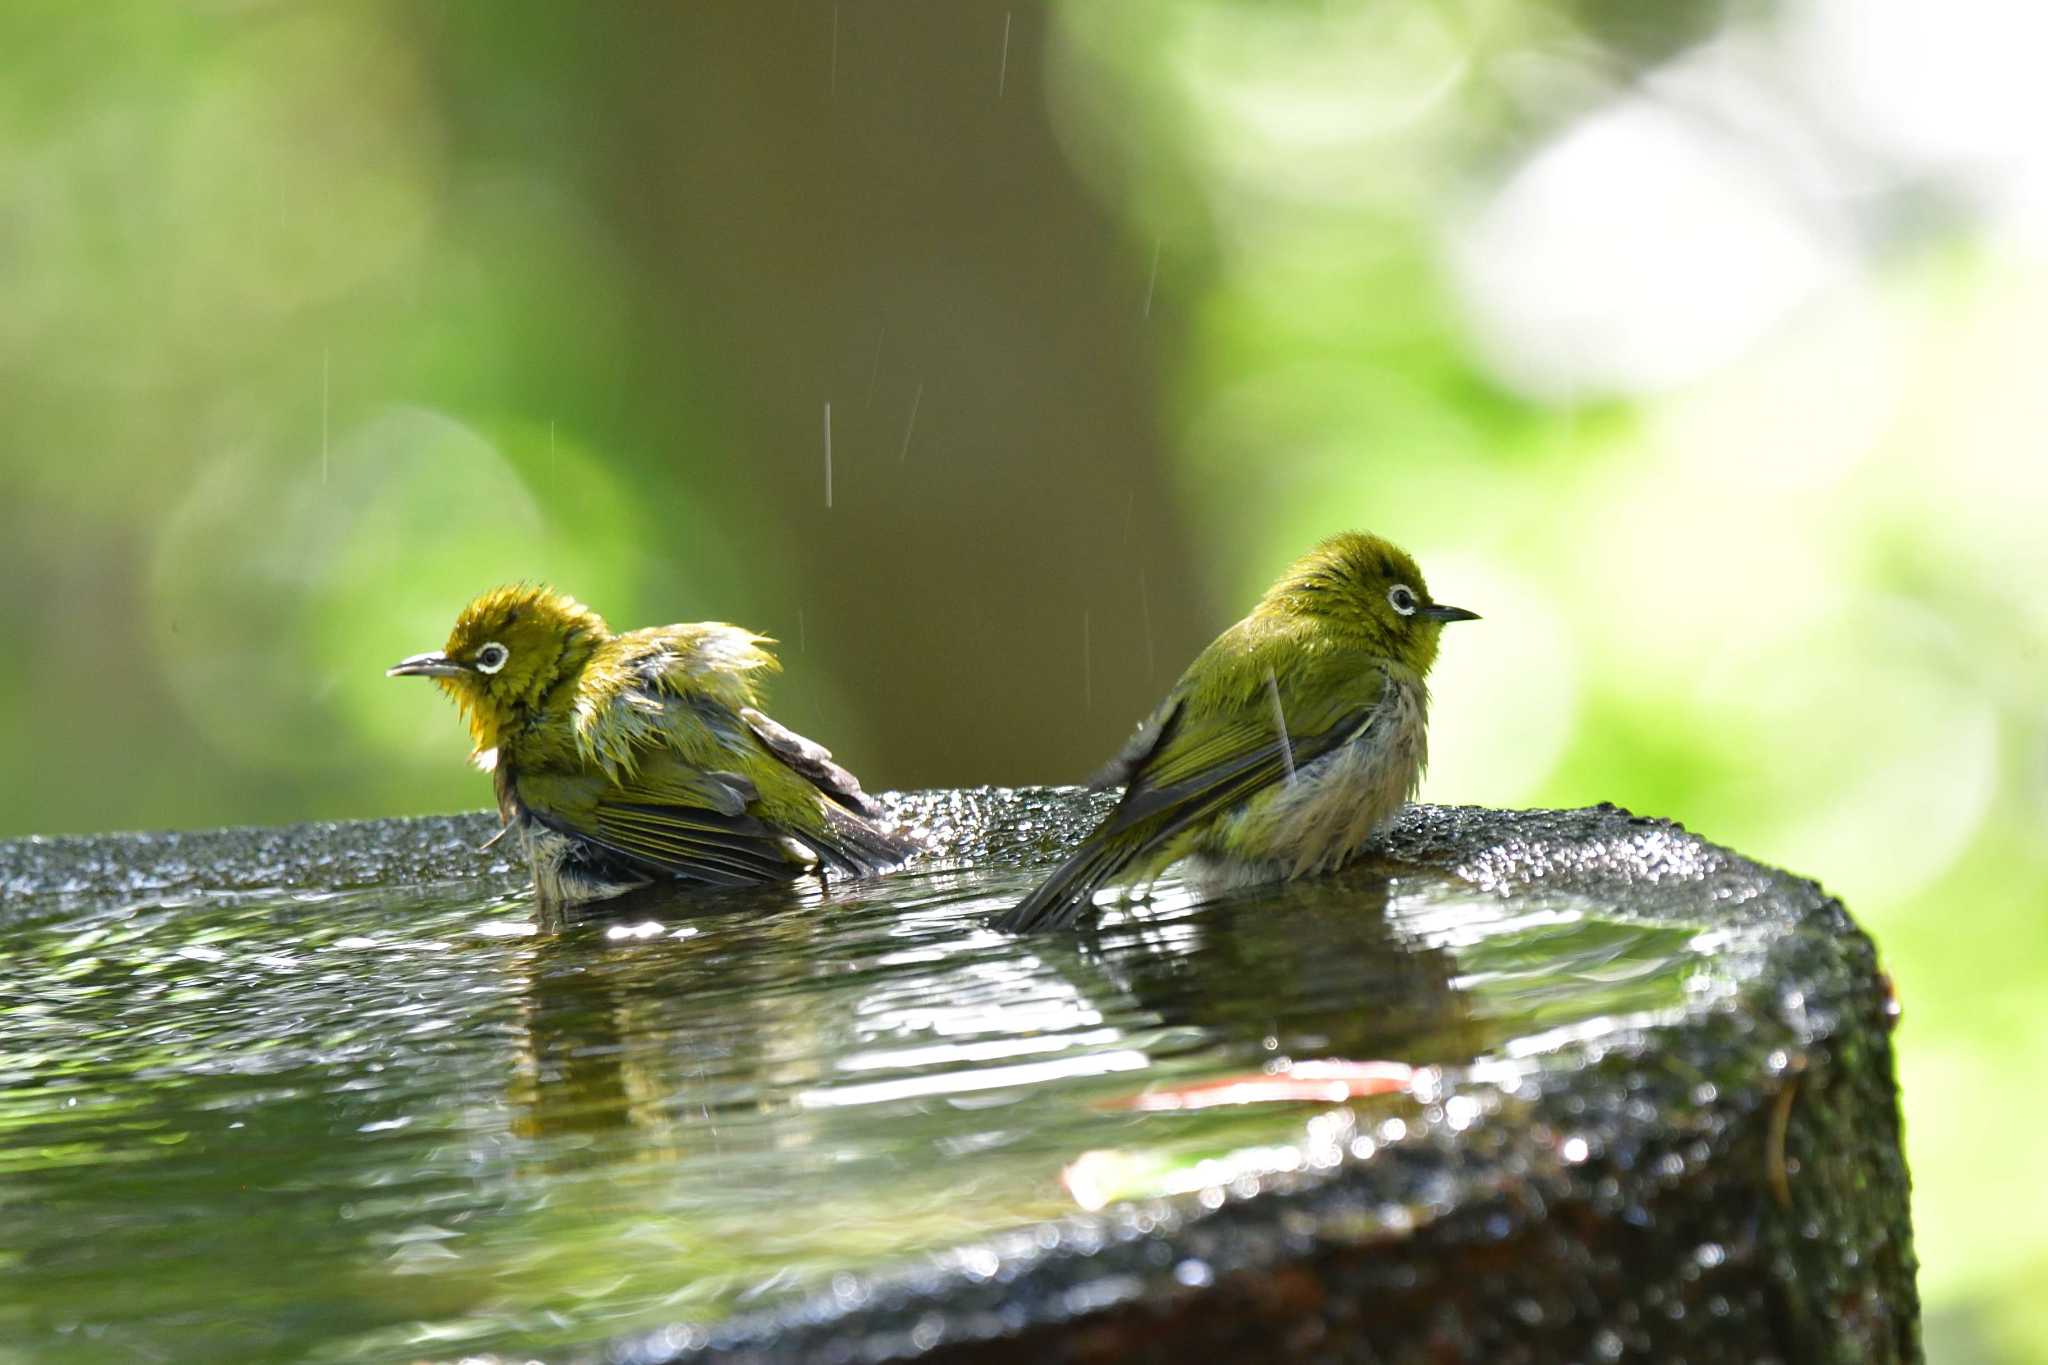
(1003, 72)
(1145, 611)
(911, 425)
(874, 370)
(1280, 725)
(326, 359)
(1087, 663)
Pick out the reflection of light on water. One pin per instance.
(1158, 911)
(506, 928)
(959, 1082)
(1098, 1179)
(938, 1054)
(647, 929)
(1584, 1031)
(980, 1000)
(1447, 920)
(1567, 971)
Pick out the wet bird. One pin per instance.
(1288, 743)
(622, 759)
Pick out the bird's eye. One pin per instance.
(492, 657)
(1401, 598)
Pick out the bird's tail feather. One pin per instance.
(1068, 893)
(855, 846)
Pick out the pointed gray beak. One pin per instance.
(425, 666)
(1433, 612)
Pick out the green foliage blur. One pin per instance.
(994, 356)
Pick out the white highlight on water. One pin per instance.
(960, 1082)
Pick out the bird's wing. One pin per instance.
(1207, 760)
(1198, 764)
(1141, 746)
(811, 760)
(627, 702)
(668, 816)
(669, 723)
(663, 781)
(706, 667)
(847, 834)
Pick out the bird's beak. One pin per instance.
(1433, 612)
(426, 666)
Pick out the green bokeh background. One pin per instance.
(1698, 346)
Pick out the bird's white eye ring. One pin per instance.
(1401, 598)
(492, 657)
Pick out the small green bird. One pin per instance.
(619, 759)
(1288, 743)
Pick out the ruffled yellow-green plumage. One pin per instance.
(1285, 746)
(623, 757)
(549, 636)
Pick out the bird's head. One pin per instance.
(1361, 586)
(508, 649)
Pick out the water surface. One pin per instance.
(400, 1123)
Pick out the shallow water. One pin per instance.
(400, 1123)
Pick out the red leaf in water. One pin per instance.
(1313, 1082)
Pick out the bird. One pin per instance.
(1286, 746)
(622, 759)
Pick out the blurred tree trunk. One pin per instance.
(865, 205)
